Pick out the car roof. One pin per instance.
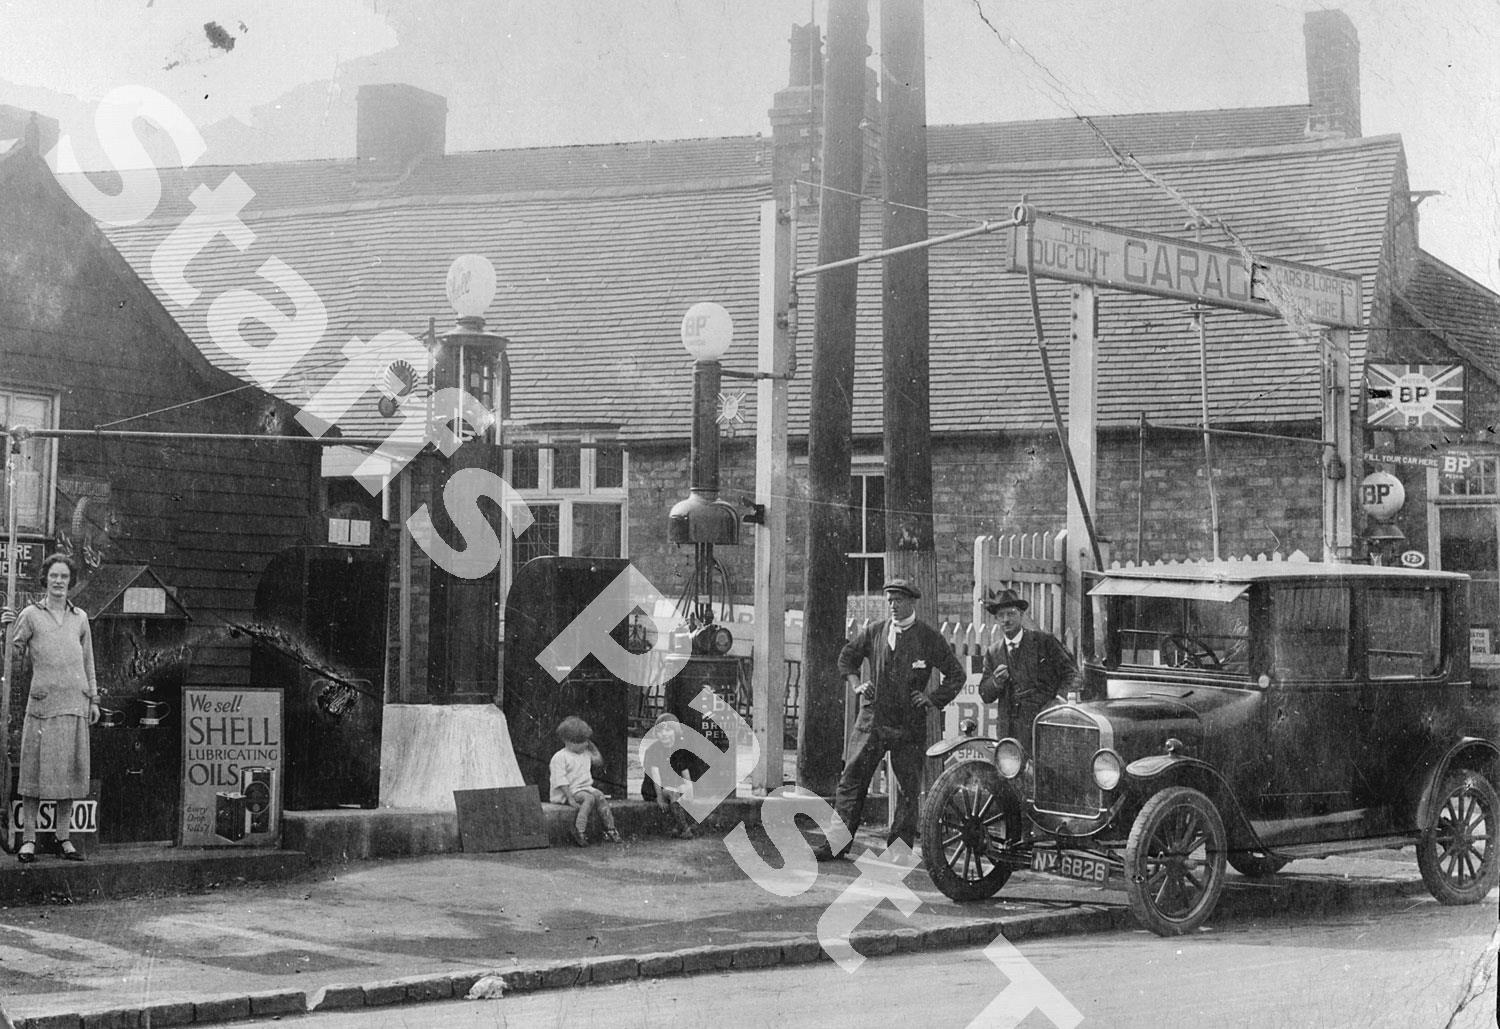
(1264, 571)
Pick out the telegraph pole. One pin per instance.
(904, 308)
(829, 431)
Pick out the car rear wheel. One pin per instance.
(970, 819)
(1256, 866)
(1456, 856)
(1174, 861)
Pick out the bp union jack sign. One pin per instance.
(1415, 396)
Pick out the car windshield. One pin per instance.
(1212, 635)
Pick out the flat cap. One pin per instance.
(904, 587)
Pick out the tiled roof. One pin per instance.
(1459, 308)
(597, 269)
(1065, 139)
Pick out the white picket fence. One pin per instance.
(1228, 563)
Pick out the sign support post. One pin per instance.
(768, 700)
(1083, 442)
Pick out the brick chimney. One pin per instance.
(397, 125)
(797, 122)
(797, 119)
(1332, 75)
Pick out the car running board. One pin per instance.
(1395, 841)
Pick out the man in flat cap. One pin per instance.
(1025, 670)
(893, 706)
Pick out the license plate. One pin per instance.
(1073, 866)
(974, 753)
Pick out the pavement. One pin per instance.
(204, 943)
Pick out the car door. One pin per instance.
(1309, 702)
(1402, 687)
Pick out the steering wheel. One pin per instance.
(1187, 652)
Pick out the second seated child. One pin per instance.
(662, 752)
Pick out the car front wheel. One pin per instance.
(1458, 863)
(971, 818)
(1174, 861)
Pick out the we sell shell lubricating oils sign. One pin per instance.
(232, 759)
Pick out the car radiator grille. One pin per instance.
(1064, 769)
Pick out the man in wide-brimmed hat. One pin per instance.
(1025, 670)
(893, 704)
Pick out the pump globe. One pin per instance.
(707, 331)
(471, 285)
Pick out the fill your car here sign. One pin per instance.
(1415, 396)
(1141, 262)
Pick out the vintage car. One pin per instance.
(1247, 713)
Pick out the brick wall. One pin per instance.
(1269, 499)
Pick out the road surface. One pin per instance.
(1403, 963)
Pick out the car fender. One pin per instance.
(1468, 752)
(944, 747)
(1148, 775)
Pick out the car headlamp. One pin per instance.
(1107, 769)
(1009, 757)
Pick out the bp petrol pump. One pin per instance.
(705, 521)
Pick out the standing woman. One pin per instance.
(62, 704)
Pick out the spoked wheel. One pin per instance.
(1458, 863)
(1174, 861)
(971, 819)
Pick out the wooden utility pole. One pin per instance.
(775, 359)
(904, 307)
(1338, 466)
(821, 730)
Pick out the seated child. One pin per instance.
(572, 777)
(661, 752)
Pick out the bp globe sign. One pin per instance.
(1381, 495)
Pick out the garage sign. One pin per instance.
(1142, 262)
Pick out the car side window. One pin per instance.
(1310, 632)
(1403, 630)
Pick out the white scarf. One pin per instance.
(899, 627)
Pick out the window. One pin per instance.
(867, 516)
(1480, 479)
(567, 465)
(596, 530)
(1183, 632)
(577, 497)
(609, 468)
(34, 468)
(542, 537)
(525, 469)
(1403, 633)
(1310, 633)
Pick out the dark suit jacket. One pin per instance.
(895, 676)
(1040, 670)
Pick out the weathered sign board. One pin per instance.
(1141, 262)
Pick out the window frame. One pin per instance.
(859, 559)
(587, 492)
(1437, 599)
